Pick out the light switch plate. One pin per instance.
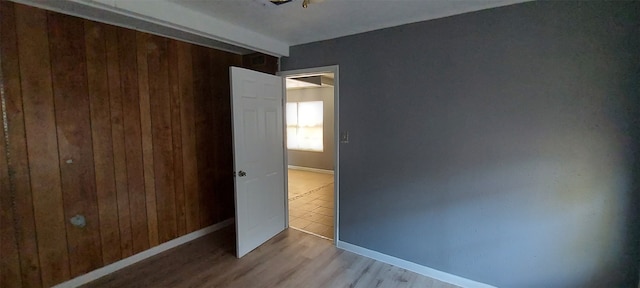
(344, 137)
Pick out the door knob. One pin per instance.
(242, 173)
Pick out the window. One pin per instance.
(304, 126)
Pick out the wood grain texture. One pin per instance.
(219, 88)
(19, 165)
(136, 171)
(98, 87)
(10, 271)
(40, 128)
(176, 129)
(223, 151)
(205, 137)
(147, 137)
(118, 141)
(130, 130)
(10, 274)
(75, 145)
(290, 259)
(188, 129)
(160, 110)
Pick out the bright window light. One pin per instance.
(304, 126)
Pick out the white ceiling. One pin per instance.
(242, 26)
(329, 19)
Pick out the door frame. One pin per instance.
(336, 139)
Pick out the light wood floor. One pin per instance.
(290, 259)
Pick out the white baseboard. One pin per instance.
(310, 169)
(113, 267)
(404, 264)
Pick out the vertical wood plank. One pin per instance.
(98, 85)
(217, 63)
(133, 139)
(69, 75)
(147, 137)
(118, 140)
(223, 155)
(10, 272)
(160, 104)
(187, 121)
(205, 140)
(40, 126)
(19, 164)
(176, 128)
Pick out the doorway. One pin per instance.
(311, 139)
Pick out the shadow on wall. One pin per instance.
(633, 223)
(574, 208)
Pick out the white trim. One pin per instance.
(324, 171)
(164, 13)
(417, 268)
(335, 69)
(284, 151)
(113, 267)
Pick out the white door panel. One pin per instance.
(258, 157)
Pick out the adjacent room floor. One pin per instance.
(290, 259)
(311, 202)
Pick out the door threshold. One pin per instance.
(308, 232)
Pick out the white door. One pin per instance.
(258, 145)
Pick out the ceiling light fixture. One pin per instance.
(280, 2)
(305, 3)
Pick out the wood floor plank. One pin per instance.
(75, 145)
(98, 84)
(368, 276)
(290, 259)
(118, 141)
(133, 139)
(351, 268)
(40, 128)
(19, 164)
(405, 278)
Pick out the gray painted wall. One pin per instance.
(318, 160)
(500, 145)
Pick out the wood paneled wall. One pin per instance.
(130, 130)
